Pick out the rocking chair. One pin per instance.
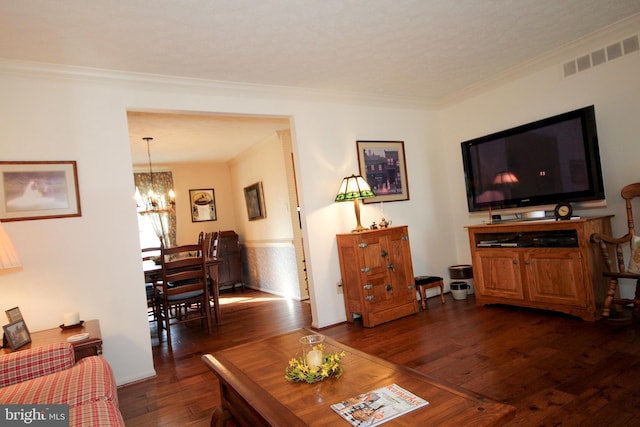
(616, 269)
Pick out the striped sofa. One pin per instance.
(50, 375)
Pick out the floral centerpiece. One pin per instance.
(301, 371)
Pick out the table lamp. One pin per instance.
(8, 256)
(354, 188)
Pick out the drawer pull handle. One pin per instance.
(368, 286)
(365, 269)
(368, 298)
(362, 245)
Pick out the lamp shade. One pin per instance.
(8, 256)
(505, 178)
(354, 187)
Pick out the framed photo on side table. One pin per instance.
(38, 190)
(17, 334)
(203, 205)
(383, 165)
(13, 314)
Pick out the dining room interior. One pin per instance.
(194, 174)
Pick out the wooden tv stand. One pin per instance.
(544, 264)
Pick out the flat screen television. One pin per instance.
(535, 165)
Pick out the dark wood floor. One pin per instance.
(555, 369)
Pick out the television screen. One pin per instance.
(541, 163)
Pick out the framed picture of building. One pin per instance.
(383, 165)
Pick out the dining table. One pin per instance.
(153, 274)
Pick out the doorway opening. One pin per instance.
(225, 153)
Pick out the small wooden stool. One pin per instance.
(427, 282)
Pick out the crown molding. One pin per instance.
(212, 87)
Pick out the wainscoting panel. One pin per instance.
(270, 266)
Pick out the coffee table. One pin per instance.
(255, 393)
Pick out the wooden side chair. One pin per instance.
(213, 246)
(151, 255)
(211, 250)
(210, 241)
(619, 268)
(184, 287)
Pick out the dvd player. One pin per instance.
(549, 241)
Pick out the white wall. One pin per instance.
(263, 163)
(88, 264)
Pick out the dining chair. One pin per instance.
(184, 293)
(210, 242)
(151, 256)
(213, 246)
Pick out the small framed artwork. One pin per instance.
(254, 198)
(16, 334)
(13, 314)
(38, 190)
(203, 205)
(383, 165)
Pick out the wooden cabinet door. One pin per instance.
(230, 271)
(499, 274)
(400, 267)
(374, 256)
(556, 276)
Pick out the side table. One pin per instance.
(91, 346)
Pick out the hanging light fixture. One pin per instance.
(154, 200)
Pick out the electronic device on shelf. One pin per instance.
(546, 239)
(550, 161)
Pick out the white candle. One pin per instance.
(314, 358)
(71, 318)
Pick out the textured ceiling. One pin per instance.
(424, 49)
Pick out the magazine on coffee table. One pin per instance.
(378, 406)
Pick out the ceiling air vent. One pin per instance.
(602, 55)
